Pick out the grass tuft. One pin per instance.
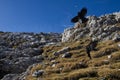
(106, 51)
(110, 74)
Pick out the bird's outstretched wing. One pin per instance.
(75, 19)
(81, 15)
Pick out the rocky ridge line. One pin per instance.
(105, 27)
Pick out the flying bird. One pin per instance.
(81, 15)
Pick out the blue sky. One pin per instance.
(48, 15)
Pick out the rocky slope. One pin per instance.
(52, 56)
(20, 50)
(105, 27)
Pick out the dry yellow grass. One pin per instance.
(112, 74)
(106, 50)
(72, 69)
(116, 56)
(74, 75)
(115, 65)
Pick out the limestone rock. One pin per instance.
(103, 27)
(66, 55)
(38, 73)
(62, 51)
(20, 50)
(10, 77)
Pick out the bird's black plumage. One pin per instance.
(81, 15)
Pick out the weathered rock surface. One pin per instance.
(10, 77)
(38, 73)
(62, 51)
(20, 50)
(103, 28)
(66, 55)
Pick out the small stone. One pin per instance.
(53, 61)
(53, 65)
(61, 69)
(66, 55)
(103, 78)
(109, 56)
(56, 54)
(65, 49)
(116, 37)
(118, 45)
(106, 61)
(38, 73)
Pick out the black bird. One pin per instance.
(81, 15)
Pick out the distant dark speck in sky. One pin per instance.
(48, 15)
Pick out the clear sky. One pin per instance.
(48, 15)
